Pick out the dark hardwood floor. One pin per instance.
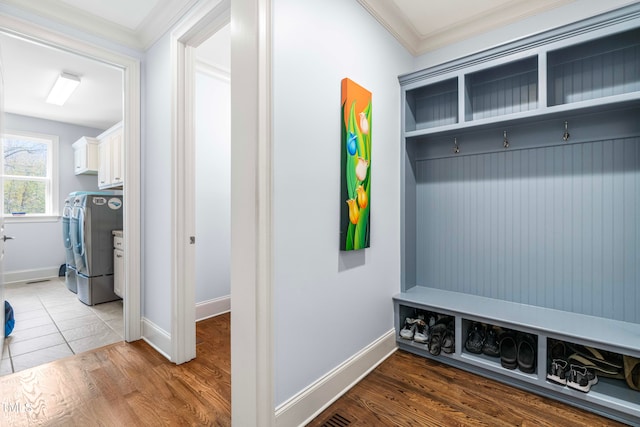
(132, 385)
(126, 385)
(407, 390)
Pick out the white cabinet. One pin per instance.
(85, 156)
(110, 170)
(104, 169)
(118, 264)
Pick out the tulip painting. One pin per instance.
(355, 182)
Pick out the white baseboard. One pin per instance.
(17, 276)
(310, 402)
(156, 337)
(160, 339)
(212, 307)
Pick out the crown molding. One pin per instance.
(164, 15)
(392, 18)
(488, 20)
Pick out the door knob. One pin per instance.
(5, 238)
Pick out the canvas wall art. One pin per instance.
(355, 181)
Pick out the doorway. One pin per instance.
(212, 106)
(251, 196)
(130, 71)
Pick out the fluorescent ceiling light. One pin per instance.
(63, 88)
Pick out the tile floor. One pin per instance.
(51, 323)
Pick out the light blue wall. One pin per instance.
(38, 245)
(213, 187)
(329, 305)
(156, 185)
(554, 227)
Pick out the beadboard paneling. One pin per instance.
(595, 69)
(512, 94)
(432, 106)
(555, 226)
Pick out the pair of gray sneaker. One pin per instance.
(417, 329)
(576, 377)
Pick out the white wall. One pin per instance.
(38, 245)
(156, 185)
(572, 12)
(213, 186)
(328, 305)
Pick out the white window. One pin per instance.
(30, 175)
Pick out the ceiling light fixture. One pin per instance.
(63, 88)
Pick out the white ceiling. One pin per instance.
(134, 23)
(30, 70)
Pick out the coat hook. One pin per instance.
(456, 147)
(505, 142)
(565, 136)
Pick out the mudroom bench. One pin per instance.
(610, 397)
(520, 199)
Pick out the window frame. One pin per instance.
(52, 181)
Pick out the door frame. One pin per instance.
(130, 67)
(252, 377)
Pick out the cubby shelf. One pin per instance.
(432, 106)
(609, 103)
(612, 397)
(537, 234)
(596, 75)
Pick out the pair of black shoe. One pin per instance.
(518, 350)
(481, 339)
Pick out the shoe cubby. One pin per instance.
(598, 68)
(428, 331)
(550, 333)
(582, 369)
(432, 106)
(501, 90)
(500, 347)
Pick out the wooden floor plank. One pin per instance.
(133, 385)
(125, 385)
(408, 390)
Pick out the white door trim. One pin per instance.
(204, 20)
(251, 189)
(252, 338)
(131, 112)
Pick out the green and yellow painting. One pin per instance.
(355, 181)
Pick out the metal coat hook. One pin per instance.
(456, 147)
(565, 136)
(505, 142)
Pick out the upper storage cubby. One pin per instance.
(505, 89)
(595, 69)
(587, 66)
(432, 106)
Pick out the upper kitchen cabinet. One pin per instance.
(85, 155)
(110, 158)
